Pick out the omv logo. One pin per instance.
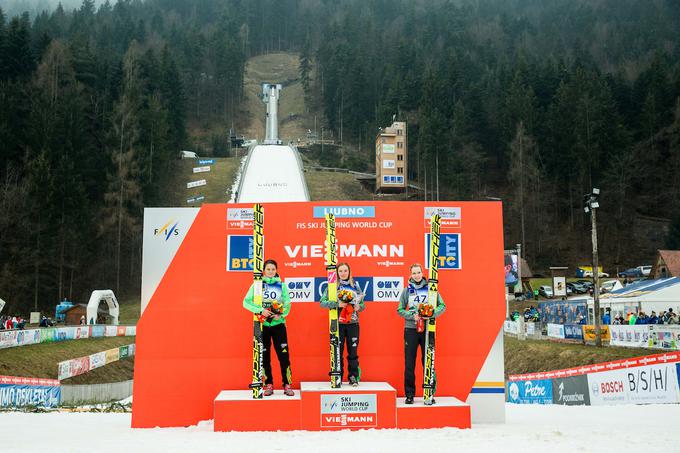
(167, 231)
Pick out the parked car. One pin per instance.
(646, 269)
(587, 284)
(577, 288)
(587, 274)
(633, 272)
(608, 286)
(545, 291)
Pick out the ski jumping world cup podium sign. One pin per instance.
(194, 339)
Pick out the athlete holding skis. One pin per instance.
(275, 308)
(413, 297)
(350, 302)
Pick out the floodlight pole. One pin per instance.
(596, 274)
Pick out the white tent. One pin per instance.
(646, 295)
(98, 296)
(2, 304)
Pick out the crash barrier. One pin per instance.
(26, 391)
(82, 365)
(95, 393)
(641, 380)
(14, 338)
(651, 336)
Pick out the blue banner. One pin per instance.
(449, 251)
(29, 395)
(356, 212)
(206, 161)
(97, 331)
(538, 391)
(65, 333)
(573, 331)
(562, 312)
(365, 283)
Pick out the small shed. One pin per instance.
(666, 264)
(73, 314)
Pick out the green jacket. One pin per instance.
(272, 289)
(411, 296)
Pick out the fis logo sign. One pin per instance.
(451, 217)
(387, 289)
(240, 253)
(240, 218)
(167, 231)
(300, 289)
(449, 251)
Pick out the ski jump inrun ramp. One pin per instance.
(272, 172)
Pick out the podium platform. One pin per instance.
(318, 407)
(446, 412)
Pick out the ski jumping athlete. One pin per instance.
(411, 297)
(275, 308)
(350, 302)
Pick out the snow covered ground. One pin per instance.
(529, 428)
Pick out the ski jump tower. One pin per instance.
(273, 171)
(270, 96)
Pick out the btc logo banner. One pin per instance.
(178, 373)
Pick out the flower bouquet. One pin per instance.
(424, 311)
(346, 313)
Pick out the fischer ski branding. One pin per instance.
(258, 268)
(332, 275)
(429, 378)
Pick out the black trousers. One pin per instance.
(412, 341)
(279, 336)
(349, 336)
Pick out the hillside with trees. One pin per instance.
(530, 101)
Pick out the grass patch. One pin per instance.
(529, 356)
(325, 185)
(40, 360)
(217, 190)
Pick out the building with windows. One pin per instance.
(391, 146)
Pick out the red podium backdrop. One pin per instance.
(194, 338)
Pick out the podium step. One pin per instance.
(369, 405)
(447, 412)
(318, 407)
(236, 410)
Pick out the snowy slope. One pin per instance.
(529, 428)
(272, 173)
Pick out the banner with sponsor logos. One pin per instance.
(556, 330)
(81, 365)
(538, 391)
(664, 336)
(571, 391)
(562, 312)
(349, 410)
(589, 332)
(642, 380)
(24, 391)
(206, 270)
(573, 332)
(511, 327)
(632, 336)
